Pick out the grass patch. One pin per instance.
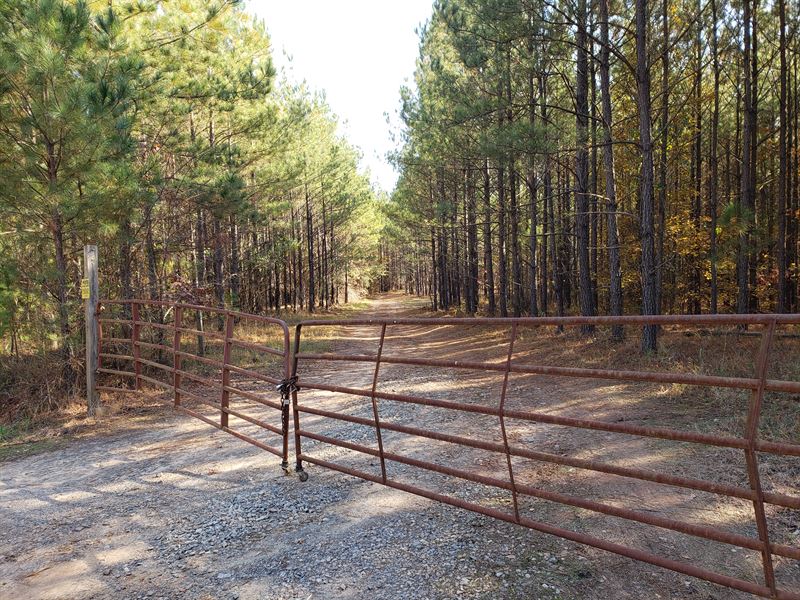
(14, 451)
(55, 430)
(11, 431)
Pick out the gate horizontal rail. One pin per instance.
(750, 444)
(222, 385)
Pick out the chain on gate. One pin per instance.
(287, 388)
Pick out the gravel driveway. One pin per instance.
(185, 511)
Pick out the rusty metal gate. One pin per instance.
(137, 335)
(292, 373)
(750, 445)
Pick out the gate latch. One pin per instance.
(286, 387)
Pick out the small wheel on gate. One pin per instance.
(302, 475)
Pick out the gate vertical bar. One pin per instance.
(285, 434)
(226, 372)
(135, 332)
(297, 449)
(91, 307)
(503, 420)
(287, 374)
(176, 355)
(375, 402)
(753, 419)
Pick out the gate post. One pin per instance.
(176, 353)
(89, 294)
(226, 372)
(297, 449)
(137, 366)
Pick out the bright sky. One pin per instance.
(359, 52)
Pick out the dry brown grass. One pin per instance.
(32, 386)
(70, 421)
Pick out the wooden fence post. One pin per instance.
(90, 295)
(226, 372)
(176, 354)
(137, 366)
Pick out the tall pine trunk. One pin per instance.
(585, 291)
(65, 350)
(200, 275)
(235, 281)
(782, 175)
(488, 256)
(547, 200)
(696, 287)
(663, 163)
(614, 268)
(501, 238)
(713, 185)
(747, 194)
(219, 287)
(648, 266)
(472, 242)
(310, 251)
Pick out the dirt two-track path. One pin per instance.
(177, 509)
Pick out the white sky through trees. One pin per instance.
(359, 52)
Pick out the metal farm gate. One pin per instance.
(236, 378)
(224, 364)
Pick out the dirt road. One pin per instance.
(180, 510)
